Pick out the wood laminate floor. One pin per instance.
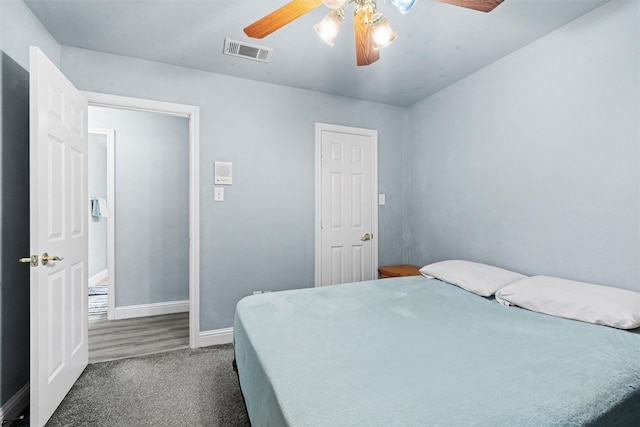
(118, 339)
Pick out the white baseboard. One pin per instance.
(98, 277)
(14, 406)
(215, 337)
(154, 309)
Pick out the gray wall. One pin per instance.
(262, 236)
(97, 188)
(533, 162)
(18, 29)
(152, 205)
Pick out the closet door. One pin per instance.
(348, 212)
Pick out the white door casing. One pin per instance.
(346, 208)
(58, 217)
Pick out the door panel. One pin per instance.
(77, 171)
(58, 210)
(346, 205)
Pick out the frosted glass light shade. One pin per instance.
(381, 33)
(403, 6)
(329, 27)
(335, 4)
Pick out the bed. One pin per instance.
(414, 351)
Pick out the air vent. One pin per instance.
(245, 50)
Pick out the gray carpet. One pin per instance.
(183, 387)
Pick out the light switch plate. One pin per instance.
(382, 199)
(218, 194)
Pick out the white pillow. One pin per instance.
(481, 279)
(603, 305)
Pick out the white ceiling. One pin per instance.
(437, 43)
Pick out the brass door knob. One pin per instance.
(367, 236)
(46, 258)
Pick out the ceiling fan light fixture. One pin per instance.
(334, 4)
(330, 26)
(403, 6)
(381, 33)
(371, 29)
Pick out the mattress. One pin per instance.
(413, 351)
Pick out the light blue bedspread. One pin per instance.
(417, 352)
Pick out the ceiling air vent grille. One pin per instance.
(245, 50)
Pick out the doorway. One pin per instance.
(100, 223)
(138, 233)
(137, 269)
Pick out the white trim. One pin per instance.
(317, 227)
(110, 134)
(111, 223)
(194, 228)
(318, 185)
(14, 406)
(98, 277)
(193, 114)
(216, 337)
(153, 309)
(138, 104)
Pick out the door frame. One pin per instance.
(192, 113)
(110, 134)
(320, 127)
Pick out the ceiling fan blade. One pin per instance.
(365, 54)
(281, 17)
(481, 5)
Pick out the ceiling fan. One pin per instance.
(371, 28)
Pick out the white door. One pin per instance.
(346, 197)
(58, 198)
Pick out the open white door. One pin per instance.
(58, 198)
(346, 208)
